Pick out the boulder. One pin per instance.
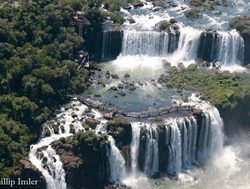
(158, 3)
(131, 21)
(138, 4)
(117, 186)
(247, 66)
(126, 75)
(73, 115)
(131, 87)
(114, 76)
(92, 123)
(122, 93)
(175, 27)
(173, 5)
(127, 6)
(173, 20)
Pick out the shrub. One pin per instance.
(117, 17)
(192, 13)
(164, 25)
(241, 24)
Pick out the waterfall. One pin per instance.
(188, 141)
(173, 141)
(111, 45)
(116, 162)
(188, 45)
(225, 47)
(210, 139)
(231, 48)
(135, 146)
(181, 137)
(49, 163)
(151, 153)
(148, 43)
(152, 43)
(43, 157)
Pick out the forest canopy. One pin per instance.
(38, 43)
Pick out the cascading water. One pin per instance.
(187, 46)
(148, 43)
(211, 141)
(173, 141)
(152, 152)
(231, 48)
(48, 162)
(135, 146)
(221, 46)
(44, 157)
(116, 163)
(53, 168)
(187, 142)
(111, 45)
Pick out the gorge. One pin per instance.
(106, 94)
(132, 151)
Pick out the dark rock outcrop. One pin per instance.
(246, 37)
(92, 123)
(121, 130)
(109, 45)
(240, 120)
(28, 171)
(138, 4)
(207, 50)
(84, 158)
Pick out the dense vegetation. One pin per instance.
(84, 156)
(242, 24)
(192, 13)
(220, 88)
(210, 5)
(228, 91)
(37, 45)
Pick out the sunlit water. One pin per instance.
(228, 171)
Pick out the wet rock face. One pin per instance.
(110, 45)
(207, 41)
(142, 149)
(92, 123)
(84, 159)
(28, 171)
(137, 4)
(246, 38)
(121, 130)
(117, 186)
(240, 117)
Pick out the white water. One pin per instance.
(181, 139)
(45, 158)
(151, 47)
(174, 144)
(146, 18)
(116, 163)
(151, 153)
(48, 162)
(215, 141)
(149, 43)
(135, 146)
(187, 46)
(142, 41)
(231, 48)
